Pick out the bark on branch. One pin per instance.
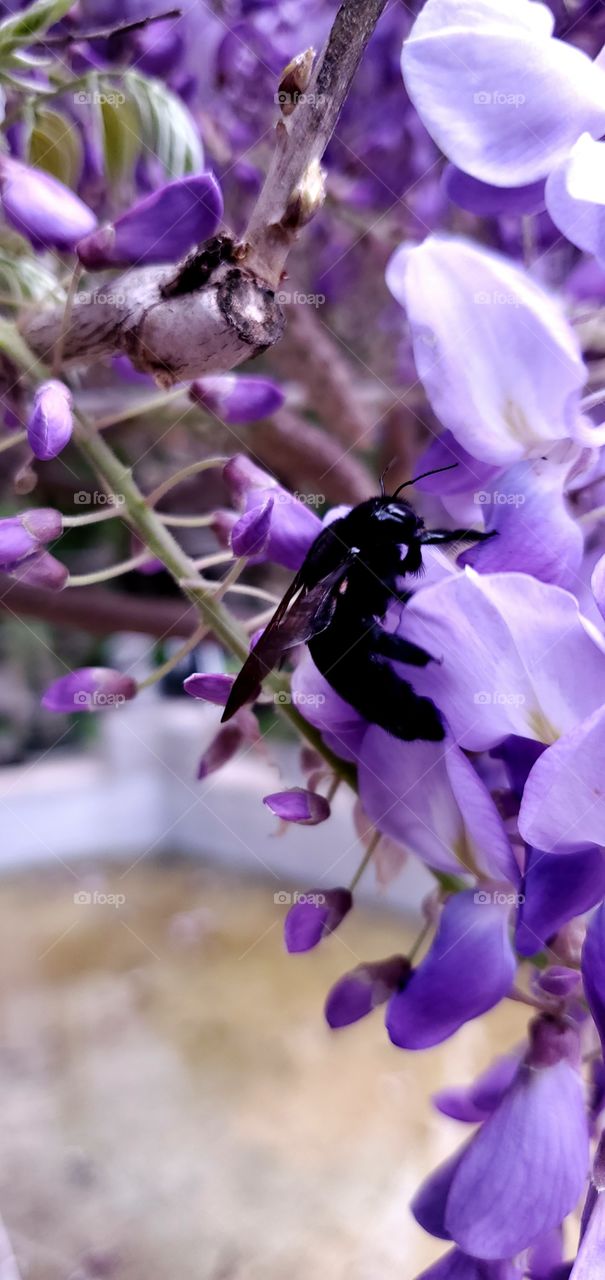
(208, 316)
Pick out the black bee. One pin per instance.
(336, 604)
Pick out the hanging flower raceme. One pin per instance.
(160, 228)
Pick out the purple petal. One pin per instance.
(458, 1266)
(516, 658)
(225, 744)
(428, 797)
(40, 570)
(590, 1261)
(469, 475)
(237, 399)
(559, 981)
(89, 689)
(314, 915)
(298, 805)
(525, 506)
(294, 527)
(556, 889)
(318, 702)
(475, 1102)
(547, 1256)
(160, 228)
(41, 208)
(530, 399)
(429, 1205)
(575, 196)
(484, 199)
(597, 583)
(593, 969)
(50, 424)
(525, 1168)
(358, 992)
(24, 534)
(501, 97)
(210, 686)
(563, 804)
(469, 968)
(250, 536)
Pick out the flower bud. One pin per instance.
(361, 990)
(552, 1040)
(51, 424)
(209, 686)
(22, 535)
(559, 981)
(40, 570)
(160, 228)
(250, 536)
(42, 208)
(298, 805)
(315, 915)
(293, 526)
(89, 689)
(237, 399)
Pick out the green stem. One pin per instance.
(170, 663)
(367, 858)
(104, 575)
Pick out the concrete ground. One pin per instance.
(172, 1104)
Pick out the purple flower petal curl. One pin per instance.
(237, 399)
(486, 200)
(526, 508)
(209, 686)
(563, 803)
(428, 798)
(42, 208)
(517, 657)
(298, 805)
(575, 196)
(556, 889)
(498, 360)
(293, 526)
(314, 915)
(502, 98)
(160, 228)
(250, 535)
(89, 689)
(361, 990)
(469, 968)
(22, 535)
(40, 570)
(50, 424)
(475, 1102)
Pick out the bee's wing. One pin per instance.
(302, 613)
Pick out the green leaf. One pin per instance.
(27, 279)
(17, 350)
(120, 136)
(29, 24)
(55, 146)
(167, 129)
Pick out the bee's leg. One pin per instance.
(441, 537)
(390, 645)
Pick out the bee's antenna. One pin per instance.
(435, 472)
(387, 468)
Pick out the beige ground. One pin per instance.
(172, 1106)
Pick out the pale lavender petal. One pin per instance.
(524, 1170)
(51, 423)
(237, 399)
(525, 506)
(428, 798)
(502, 98)
(516, 657)
(563, 803)
(41, 207)
(597, 583)
(499, 362)
(89, 689)
(475, 1102)
(209, 686)
(470, 475)
(342, 727)
(485, 200)
(556, 889)
(469, 968)
(575, 196)
(160, 228)
(298, 805)
(369, 985)
(314, 915)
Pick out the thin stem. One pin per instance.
(424, 932)
(57, 358)
(186, 522)
(136, 410)
(213, 561)
(104, 575)
(193, 469)
(367, 858)
(110, 512)
(170, 663)
(242, 589)
(17, 438)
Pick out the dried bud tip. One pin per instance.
(294, 80)
(306, 198)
